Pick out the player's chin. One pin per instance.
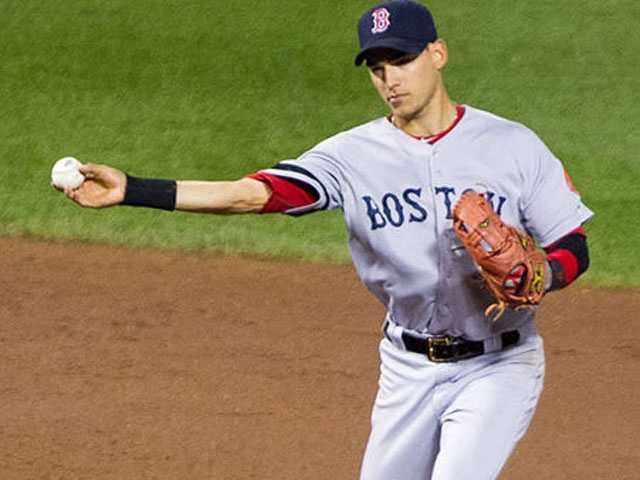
(403, 113)
(396, 110)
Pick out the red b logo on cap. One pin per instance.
(380, 20)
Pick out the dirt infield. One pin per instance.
(127, 364)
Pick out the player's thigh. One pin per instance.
(404, 423)
(488, 416)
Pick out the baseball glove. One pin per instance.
(512, 267)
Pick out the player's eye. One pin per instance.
(377, 70)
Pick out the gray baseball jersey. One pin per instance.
(397, 194)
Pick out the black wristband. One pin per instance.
(150, 192)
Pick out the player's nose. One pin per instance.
(391, 76)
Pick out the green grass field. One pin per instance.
(199, 89)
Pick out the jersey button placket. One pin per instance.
(432, 175)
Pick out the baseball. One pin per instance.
(66, 173)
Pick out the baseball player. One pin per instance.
(457, 388)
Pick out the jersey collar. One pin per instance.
(431, 140)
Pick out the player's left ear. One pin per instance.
(439, 53)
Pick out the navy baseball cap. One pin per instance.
(397, 24)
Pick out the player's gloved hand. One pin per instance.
(512, 268)
(104, 186)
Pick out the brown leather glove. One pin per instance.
(510, 264)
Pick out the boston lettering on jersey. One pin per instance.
(391, 210)
(397, 209)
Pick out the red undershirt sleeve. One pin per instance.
(285, 195)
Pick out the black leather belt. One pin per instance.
(445, 348)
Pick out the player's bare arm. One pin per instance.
(105, 186)
(241, 196)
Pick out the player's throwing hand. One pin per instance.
(103, 187)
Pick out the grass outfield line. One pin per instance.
(195, 89)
